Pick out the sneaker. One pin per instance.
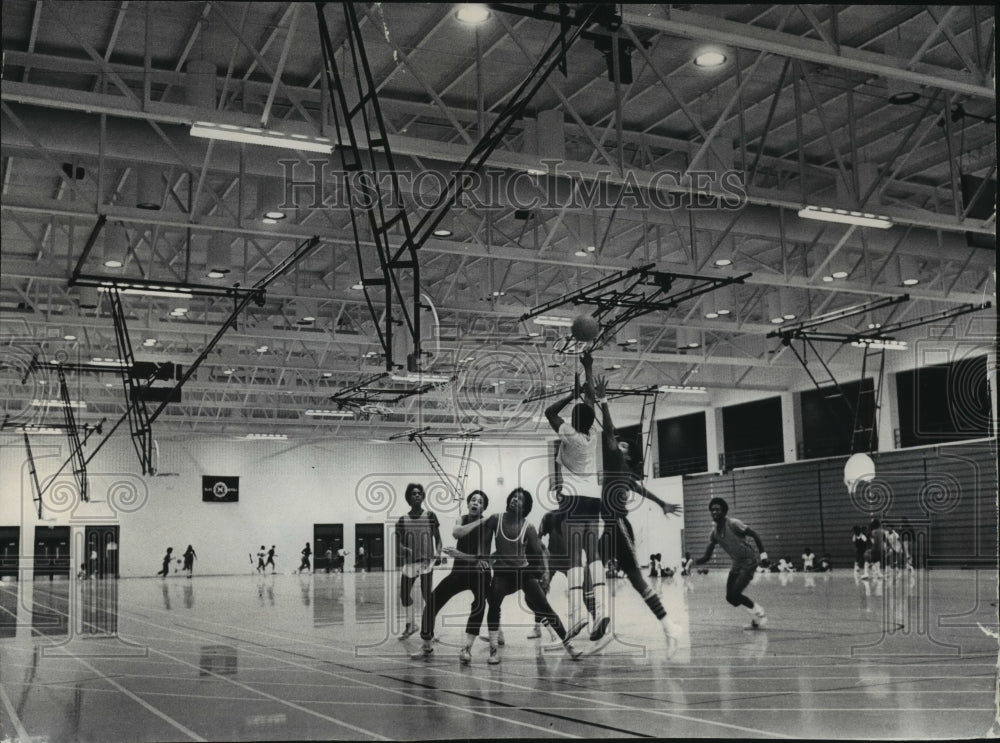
(535, 633)
(494, 658)
(410, 630)
(574, 654)
(424, 653)
(464, 656)
(599, 629)
(500, 640)
(759, 618)
(576, 629)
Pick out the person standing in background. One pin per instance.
(306, 554)
(260, 559)
(270, 558)
(189, 557)
(165, 570)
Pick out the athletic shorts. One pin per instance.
(416, 569)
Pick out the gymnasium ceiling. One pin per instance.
(100, 96)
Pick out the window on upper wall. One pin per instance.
(683, 448)
(752, 433)
(830, 427)
(944, 402)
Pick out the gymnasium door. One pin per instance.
(326, 536)
(369, 547)
(52, 554)
(10, 551)
(104, 540)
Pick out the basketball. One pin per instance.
(585, 328)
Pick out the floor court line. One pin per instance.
(12, 714)
(367, 683)
(519, 687)
(490, 680)
(195, 736)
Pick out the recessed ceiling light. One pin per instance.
(711, 315)
(274, 215)
(112, 263)
(269, 220)
(591, 248)
(911, 282)
(69, 337)
(839, 274)
(723, 312)
(442, 233)
(580, 254)
(710, 59)
(358, 286)
(472, 13)
(723, 262)
(216, 274)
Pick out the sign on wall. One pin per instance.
(215, 489)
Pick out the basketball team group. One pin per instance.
(499, 554)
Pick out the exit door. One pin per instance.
(101, 551)
(369, 547)
(10, 551)
(327, 537)
(52, 555)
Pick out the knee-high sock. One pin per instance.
(596, 569)
(574, 577)
(652, 600)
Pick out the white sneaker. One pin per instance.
(464, 656)
(494, 658)
(574, 654)
(425, 652)
(759, 618)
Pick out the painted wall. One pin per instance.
(285, 487)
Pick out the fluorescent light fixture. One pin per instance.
(554, 321)
(880, 343)
(266, 437)
(472, 13)
(843, 216)
(358, 286)
(723, 262)
(275, 215)
(151, 292)
(113, 263)
(682, 388)
(442, 233)
(268, 138)
(330, 413)
(262, 349)
(69, 337)
(41, 431)
(711, 315)
(710, 59)
(580, 253)
(58, 403)
(214, 274)
(420, 378)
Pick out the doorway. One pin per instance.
(10, 551)
(369, 547)
(328, 537)
(52, 553)
(101, 550)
